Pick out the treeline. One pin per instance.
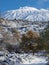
(30, 41)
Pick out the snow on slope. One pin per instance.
(27, 13)
(23, 59)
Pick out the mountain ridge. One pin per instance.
(27, 13)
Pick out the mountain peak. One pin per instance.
(29, 8)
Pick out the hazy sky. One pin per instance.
(14, 4)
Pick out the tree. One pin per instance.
(28, 41)
(40, 43)
(45, 36)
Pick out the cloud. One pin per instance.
(46, 0)
(41, 3)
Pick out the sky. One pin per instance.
(15, 4)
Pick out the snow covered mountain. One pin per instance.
(27, 13)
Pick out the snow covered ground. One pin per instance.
(22, 59)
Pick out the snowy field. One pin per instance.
(22, 59)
